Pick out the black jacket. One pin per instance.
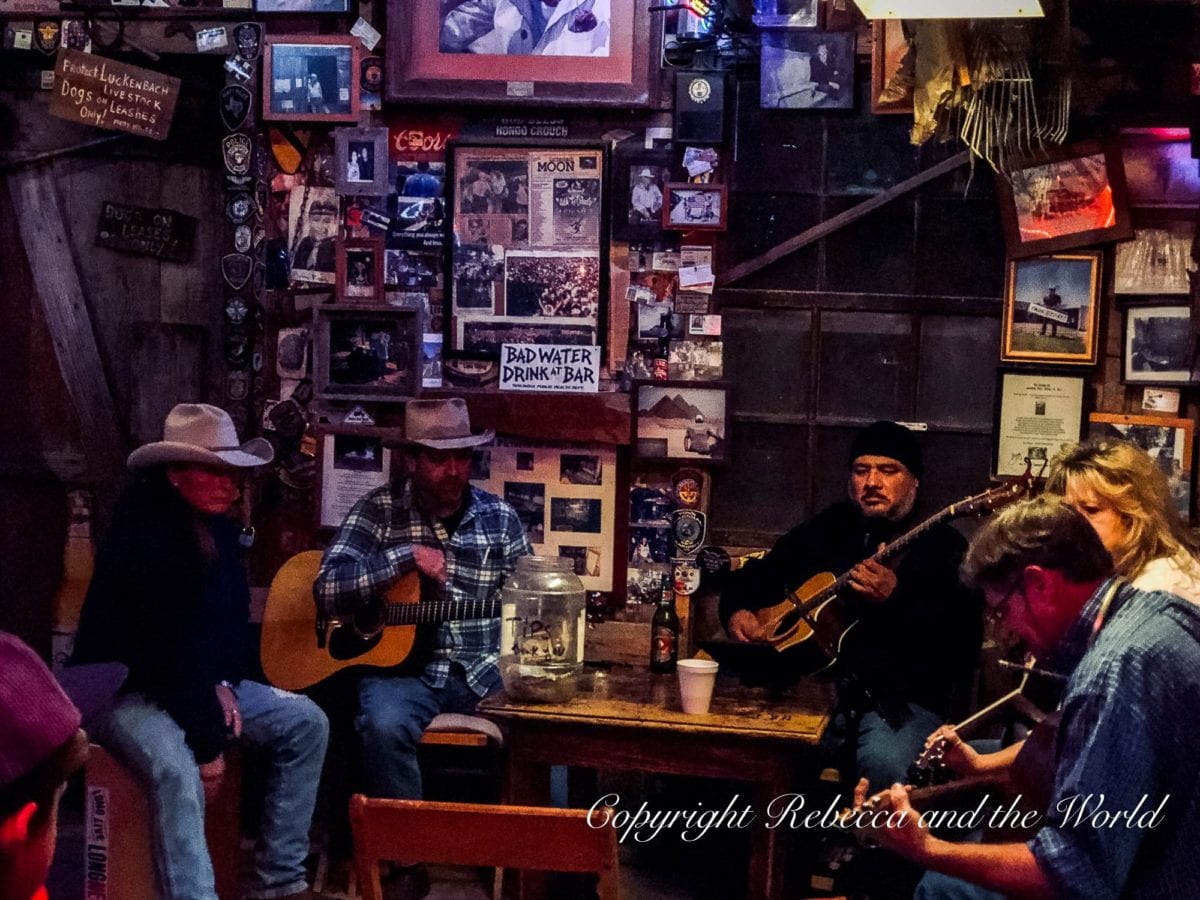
(917, 646)
(177, 620)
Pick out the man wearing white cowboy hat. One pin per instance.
(462, 541)
(645, 199)
(169, 600)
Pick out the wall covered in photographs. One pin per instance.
(529, 261)
(565, 497)
(352, 465)
(1167, 441)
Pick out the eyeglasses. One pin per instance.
(996, 614)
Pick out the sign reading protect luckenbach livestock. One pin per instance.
(108, 94)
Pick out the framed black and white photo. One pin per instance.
(679, 420)
(695, 207)
(640, 178)
(807, 70)
(313, 216)
(367, 354)
(1158, 346)
(311, 78)
(361, 161)
(1038, 414)
(1167, 441)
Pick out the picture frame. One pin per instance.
(1046, 294)
(1038, 413)
(353, 461)
(1159, 169)
(306, 7)
(430, 58)
(528, 257)
(681, 420)
(807, 70)
(1167, 441)
(291, 65)
(360, 270)
(786, 13)
(1156, 261)
(695, 207)
(628, 222)
(1067, 198)
(889, 48)
(1157, 345)
(366, 353)
(361, 160)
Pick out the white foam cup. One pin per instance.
(696, 678)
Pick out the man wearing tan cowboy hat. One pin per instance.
(462, 541)
(169, 600)
(645, 199)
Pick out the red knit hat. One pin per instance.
(36, 716)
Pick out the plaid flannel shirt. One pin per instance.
(373, 548)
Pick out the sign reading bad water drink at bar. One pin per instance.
(117, 96)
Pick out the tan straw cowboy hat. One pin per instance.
(202, 434)
(441, 425)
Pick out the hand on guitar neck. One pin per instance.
(873, 579)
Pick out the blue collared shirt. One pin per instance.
(1129, 737)
(373, 549)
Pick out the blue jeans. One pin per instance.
(393, 714)
(885, 753)
(291, 728)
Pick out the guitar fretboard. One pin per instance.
(426, 612)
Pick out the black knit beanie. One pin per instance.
(890, 440)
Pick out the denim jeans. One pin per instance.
(293, 731)
(393, 714)
(885, 753)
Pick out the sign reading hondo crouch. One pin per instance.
(151, 232)
(114, 95)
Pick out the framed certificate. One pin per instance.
(1038, 414)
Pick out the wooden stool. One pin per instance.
(117, 863)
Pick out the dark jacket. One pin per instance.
(917, 646)
(177, 620)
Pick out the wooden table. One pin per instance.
(626, 718)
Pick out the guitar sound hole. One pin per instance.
(787, 623)
(344, 643)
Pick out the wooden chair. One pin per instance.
(471, 834)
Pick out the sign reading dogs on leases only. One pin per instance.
(148, 232)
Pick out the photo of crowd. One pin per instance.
(552, 285)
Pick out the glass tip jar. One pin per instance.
(541, 630)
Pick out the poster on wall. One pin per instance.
(352, 465)
(528, 262)
(1039, 415)
(565, 497)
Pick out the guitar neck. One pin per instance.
(427, 612)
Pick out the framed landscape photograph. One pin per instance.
(679, 420)
(1052, 308)
(360, 269)
(640, 177)
(367, 354)
(695, 207)
(891, 68)
(1157, 346)
(361, 159)
(582, 54)
(1069, 198)
(1167, 441)
(310, 78)
(1037, 415)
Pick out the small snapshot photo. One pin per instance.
(1167, 441)
(585, 559)
(362, 264)
(575, 514)
(413, 271)
(807, 70)
(357, 453)
(568, 28)
(785, 13)
(676, 422)
(476, 270)
(1158, 345)
(579, 468)
(311, 81)
(695, 206)
(529, 500)
(649, 544)
(360, 164)
(1051, 307)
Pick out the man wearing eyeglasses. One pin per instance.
(1125, 805)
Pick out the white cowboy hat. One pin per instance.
(645, 173)
(441, 425)
(202, 434)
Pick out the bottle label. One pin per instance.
(663, 644)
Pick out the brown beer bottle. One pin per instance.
(664, 631)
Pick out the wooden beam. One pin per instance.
(56, 280)
(841, 220)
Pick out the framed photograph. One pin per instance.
(361, 161)
(360, 270)
(353, 463)
(1159, 168)
(891, 68)
(301, 6)
(367, 354)
(786, 13)
(310, 78)
(695, 207)
(1038, 414)
(1156, 261)
(807, 70)
(640, 177)
(679, 420)
(1167, 441)
(1157, 346)
(584, 53)
(529, 260)
(1052, 309)
(313, 216)
(1070, 198)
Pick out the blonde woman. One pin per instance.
(1125, 496)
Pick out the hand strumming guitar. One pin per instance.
(892, 821)
(430, 562)
(744, 626)
(873, 579)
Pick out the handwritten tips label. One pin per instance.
(108, 94)
(549, 367)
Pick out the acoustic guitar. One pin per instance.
(815, 612)
(301, 647)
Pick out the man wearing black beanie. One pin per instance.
(910, 658)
